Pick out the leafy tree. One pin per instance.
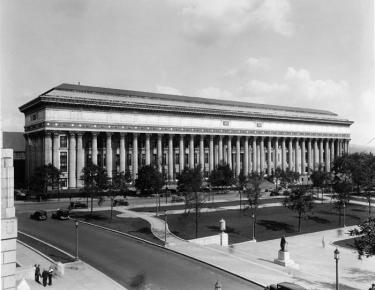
(288, 177)
(365, 243)
(301, 201)
(222, 176)
(190, 182)
(119, 186)
(149, 181)
(319, 179)
(253, 192)
(278, 175)
(95, 181)
(342, 189)
(43, 177)
(242, 180)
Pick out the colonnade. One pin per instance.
(171, 153)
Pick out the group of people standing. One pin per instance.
(45, 275)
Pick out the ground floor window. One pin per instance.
(64, 161)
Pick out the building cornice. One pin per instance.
(120, 128)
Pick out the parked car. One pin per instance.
(60, 214)
(19, 194)
(77, 204)
(39, 215)
(120, 200)
(285, 286)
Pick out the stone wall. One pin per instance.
(8, 221)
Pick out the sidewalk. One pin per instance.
(78, 275)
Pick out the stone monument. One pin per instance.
(283, 258)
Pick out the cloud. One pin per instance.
(250, 65)
(167, 90)
(214, 93)
(208, 21)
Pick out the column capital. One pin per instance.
(122, 134)
(221, 137)
(47, 133)
(72, 134)
(94, 133)
(109, 134)
(230, 137)
(212, 137)
(135, 134)
(182, 136)
(147, 135)
(170, 136)
(80, 134)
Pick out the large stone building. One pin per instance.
(121, 130)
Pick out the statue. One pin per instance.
(283, 244)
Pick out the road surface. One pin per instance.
(133, 264)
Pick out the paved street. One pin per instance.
(129, 262)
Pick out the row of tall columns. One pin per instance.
(320, 152)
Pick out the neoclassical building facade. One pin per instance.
(71, 125)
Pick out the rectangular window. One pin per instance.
(63, 182)
(64, 161)
(63, 141)
(177, 158)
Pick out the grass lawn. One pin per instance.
(132, 226)
(272, 222)
(348, 243)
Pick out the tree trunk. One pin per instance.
(299, 222)
(340, 216)
(92, 201)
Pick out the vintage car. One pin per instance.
(285, 286)
(39, 215)
(60, 214)
(77, 204)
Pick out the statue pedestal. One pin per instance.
(284, 260)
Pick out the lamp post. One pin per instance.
(217, 285)
(76, 224)
(165, 228)
(253, 217)
(336, 256)
(344, 214)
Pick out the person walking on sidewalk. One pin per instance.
(50, 273)
(37, 273)
(45, 277)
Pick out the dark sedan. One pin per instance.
(77, 204)
(39, 215)
(61, 214)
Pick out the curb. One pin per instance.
(36, 251)
(174, 251)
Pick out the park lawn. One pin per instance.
(132, 226)
(272, 222)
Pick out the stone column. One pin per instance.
(321, 151)
(328, 161)
(148, 149)
(201, 152)
(122, 153)
(262, 154)
(108, 158)
(296, 156)
(72, 176)
(47, 148)
(135, 156)
(316, 155)
(170, 157)
(211, 157)
(269, 153)
(216, 153)
(309, 156)
(56, 146)
(276, 151)
(94, 148)
(221, 156)
(283, 154)
(80, 159)
(160, 152)
(303, 155)
(246, 156)
(182, 153)
(229, 153)
(332, 151)
(191, 151)
(290, 153)
(254, 153)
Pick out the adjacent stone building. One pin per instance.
(120, 130)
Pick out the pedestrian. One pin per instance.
(37, 273)
(45, 277)
(50, 273)
(323, 242)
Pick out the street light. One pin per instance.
(217, 285)
(344, 214)
(165, 228)
(76, 224)
(336, 256)
(253, 217)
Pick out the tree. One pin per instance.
(253, 192)
(319, 179)
(119, 186)
(278, 175)
(221, 176)
(150, 180)
(365, 244)
(190, 182)
(43, 177)
(288, 177)
(301, 201)
(342, 189)
(95, 181)
(242, 180)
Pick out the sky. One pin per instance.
(305, 53)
